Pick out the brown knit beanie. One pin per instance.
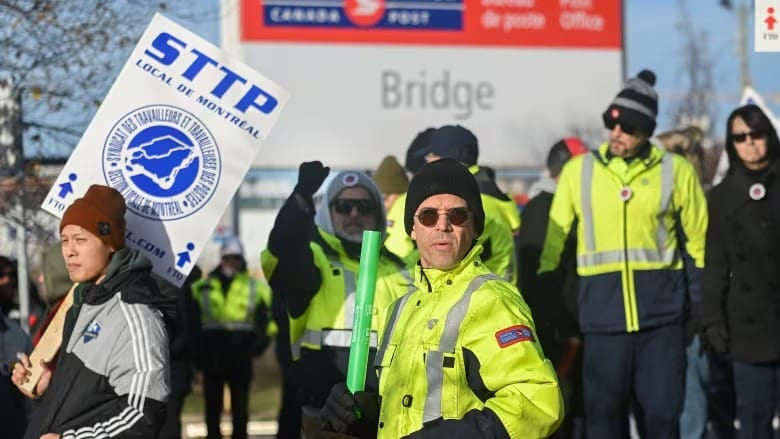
(390, 176)
(101, 211)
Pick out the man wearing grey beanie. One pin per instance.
(636, 210)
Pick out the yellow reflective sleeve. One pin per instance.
(500, 332)
(562, 215)
(268, 262)
(689, 198)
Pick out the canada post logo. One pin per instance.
(380, 14)
(163, 160)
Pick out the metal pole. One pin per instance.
(742, 46)
(23, 278)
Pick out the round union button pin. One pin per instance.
(625, 193)
(757, 191)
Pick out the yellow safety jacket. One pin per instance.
(633, 222)
(464, 340)
(396, 240)
(327, 322)
(234, 311)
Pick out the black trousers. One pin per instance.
(758, 398)
(239, 383)
(644, 370)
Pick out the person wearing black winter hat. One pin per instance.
(636, 209)
(554, 309)
(470, 328)
(741, 281)
(502, 216)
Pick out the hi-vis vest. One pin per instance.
(634, 219)
(235, 310)
(328, 320)
(421, 366)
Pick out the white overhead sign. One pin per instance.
(368, 75)
(175, 135)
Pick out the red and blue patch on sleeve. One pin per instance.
(514, 334)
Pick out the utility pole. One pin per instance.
(12, 167)
(742, 46)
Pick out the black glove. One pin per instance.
(339, 415)
(716, 338)
(310, 178)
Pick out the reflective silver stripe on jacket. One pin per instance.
(434, 362)
(659, 254)
(586, 185)
(230, 326)
(350, 290)
(333, 337)
(399, 305)
(250, 306)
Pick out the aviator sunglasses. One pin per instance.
(741, 137)
(430, 216)
(344, 206)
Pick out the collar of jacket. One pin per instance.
(333, 246)
(434, 280)
(125, 265)
(649, 154)
(734, 189)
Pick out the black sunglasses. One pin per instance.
(344, 206)
(627, 128)
(741, 137)
(430, 216)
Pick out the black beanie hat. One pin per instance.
(455, 141)
(415, 154)
(636, 105)
(444, 176)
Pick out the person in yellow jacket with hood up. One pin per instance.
(459, 356)
(312, 263)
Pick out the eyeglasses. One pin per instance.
(344, 206)
(741, 137)
(456, 216)
(627, 128)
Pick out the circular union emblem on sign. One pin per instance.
(163, 160)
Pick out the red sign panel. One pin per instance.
(512, 23)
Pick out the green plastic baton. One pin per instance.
(364, 304)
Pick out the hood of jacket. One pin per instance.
(543, 184)
(333, 188)
(129, 272)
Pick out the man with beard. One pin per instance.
(312, 262)
(637, 210)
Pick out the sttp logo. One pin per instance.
(163, 160)
(364, 12)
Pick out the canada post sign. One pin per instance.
(175, 135)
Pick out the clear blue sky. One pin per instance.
(654, 40)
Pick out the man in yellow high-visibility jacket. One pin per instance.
(459, 357)
(312, 263)
(641, 219)
(234, 317)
